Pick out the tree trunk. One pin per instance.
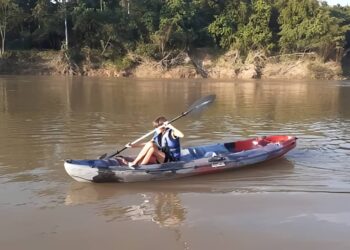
(3, 38)
(65, 23)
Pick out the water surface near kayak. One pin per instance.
(299, 201)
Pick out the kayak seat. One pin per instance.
(246, 145)
(264, 142)
(230, 146)
(196, 152)
(186, 155)
(207, 151)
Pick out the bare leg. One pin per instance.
(143, 152)
(151, 153)
(148, 156)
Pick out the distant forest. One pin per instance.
(155, 27)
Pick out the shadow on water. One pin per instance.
(344, 101)
(229, 181)
(162, 202)
(346, 64)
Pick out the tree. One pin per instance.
(342, 14)
(146, 15)
(161, 27)
(9, 14)
(232, 15)
(98, 29)
(305, 26)
(176, 24)
(257, 35)
(47, 17)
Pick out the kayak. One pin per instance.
(194, 160)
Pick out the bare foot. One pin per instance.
(122, 160)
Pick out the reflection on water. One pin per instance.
(47, 119)
(163, 208)
(262, 177)
(341, 218)
(44, 120)
(160, 202)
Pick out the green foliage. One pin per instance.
(342, 15)
(306, 26)
(223, 30)
(47, 17)
(123, 63)
(176, 24)
(225, 25)
(155, 28)
(146, 49)
(256, 35)
(9, 18)
(146, 15)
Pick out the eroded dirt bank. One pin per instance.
(197, 64)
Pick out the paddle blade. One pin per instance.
(201, 103)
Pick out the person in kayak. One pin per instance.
(164, 146)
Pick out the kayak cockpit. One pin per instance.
(198, 152)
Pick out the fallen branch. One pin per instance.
(171, 60)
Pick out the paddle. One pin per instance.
(196, 106)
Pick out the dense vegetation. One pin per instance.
(156, 27)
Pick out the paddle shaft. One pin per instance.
(145, 136)
(200, 103)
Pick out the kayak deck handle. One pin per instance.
(216, 158)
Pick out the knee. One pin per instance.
(151, 150)
(149, 144)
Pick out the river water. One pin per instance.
(301, 201)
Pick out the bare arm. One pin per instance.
(136, 145)
(176, 132)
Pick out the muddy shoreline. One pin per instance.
(197, 64)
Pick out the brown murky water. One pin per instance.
(301, 201)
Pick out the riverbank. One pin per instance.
(200, 63)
